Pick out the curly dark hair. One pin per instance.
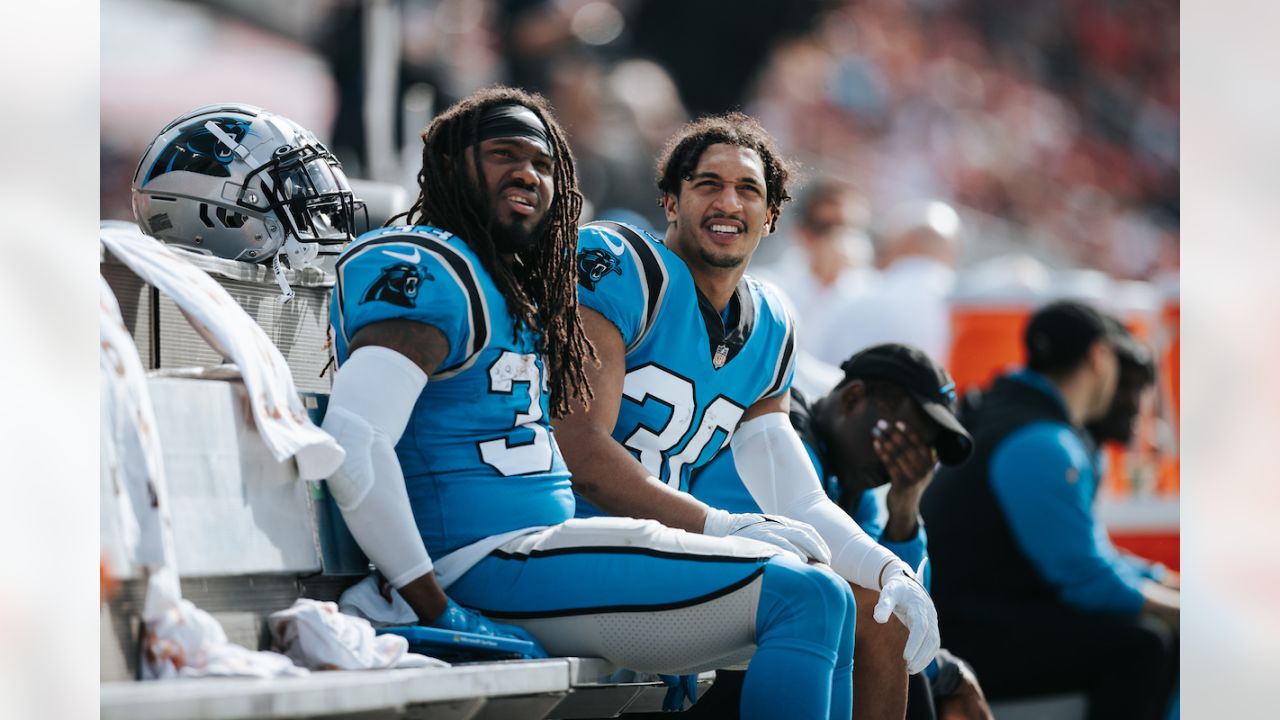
(540, 287)
(683, 151)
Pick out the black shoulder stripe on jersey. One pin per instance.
(461, 268)
(651, 269)
(784, 362)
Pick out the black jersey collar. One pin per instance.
(727, 339)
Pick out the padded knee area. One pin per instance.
(804, 632)
(804, 603)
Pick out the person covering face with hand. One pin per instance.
(890, 421)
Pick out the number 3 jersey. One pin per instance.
(691, 371)
(478, 455)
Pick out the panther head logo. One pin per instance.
(398, 284)
(197, 150)
(593, 265)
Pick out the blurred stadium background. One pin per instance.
(1051, 124)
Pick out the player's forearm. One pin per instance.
(772, 463)
(613, 480)
(425, 596)
(904, 514)
(855, 555)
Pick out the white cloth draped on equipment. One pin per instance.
(132, 464)
(180, 640)
(277, 409)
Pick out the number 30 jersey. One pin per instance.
(691, 372)
(478, 455)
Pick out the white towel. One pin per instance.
(315, 635)
(280, 417)
(185, 641)
(364, 600)
(132, 463)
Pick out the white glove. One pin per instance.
(790, 535)
(903, 595)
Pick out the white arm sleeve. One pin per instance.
(373, 395)
(773, 464)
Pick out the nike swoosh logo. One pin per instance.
(617, 249)
(414, 259)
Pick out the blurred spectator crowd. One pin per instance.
(1051, 125)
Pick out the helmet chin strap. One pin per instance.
(300, 255)
(286, 292)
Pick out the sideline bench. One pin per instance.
(251, 538)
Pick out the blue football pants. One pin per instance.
(654, 599)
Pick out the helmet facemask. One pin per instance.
(306, 190)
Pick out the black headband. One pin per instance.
(518, 121)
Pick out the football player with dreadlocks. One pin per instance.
(458, 337)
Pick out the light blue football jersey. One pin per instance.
(478, 454)
(690, 374)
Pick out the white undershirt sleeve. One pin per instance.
(772, 462)
(373, 395)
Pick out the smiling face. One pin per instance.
(519, 184)
(721, 211)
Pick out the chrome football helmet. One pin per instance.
(241, 183)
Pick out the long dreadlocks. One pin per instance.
(540, 285)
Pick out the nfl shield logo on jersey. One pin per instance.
(722, 354)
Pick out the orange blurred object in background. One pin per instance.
(987, 340)
(107, 585)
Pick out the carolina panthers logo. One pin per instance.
(195, 149)
(593, 265)
(948, 392)
(398, 285)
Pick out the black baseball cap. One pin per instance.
(1060, 334)
(914, 371)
